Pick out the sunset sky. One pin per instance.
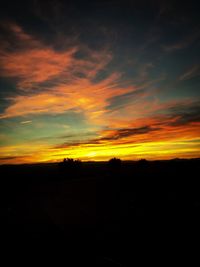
(99, 79)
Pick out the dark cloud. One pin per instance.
(121, 133)
(11, 158)
(120, 101)
(118, 134)
(185, 114)
(76, 143)
(75, 137)
(83, 134)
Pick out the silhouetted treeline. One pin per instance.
(70, 164)
(114, 163)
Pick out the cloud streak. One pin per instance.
(184, 43)
(190, 73)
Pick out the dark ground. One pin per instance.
(100, 214)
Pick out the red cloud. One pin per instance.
(72, 77)
(35, 65)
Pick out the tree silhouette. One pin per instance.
(114, 163)
(70, 163)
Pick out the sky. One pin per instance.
(93, 80)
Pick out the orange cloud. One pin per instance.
(33, 62)
(35, 65)
(70, 78)
(82, 95)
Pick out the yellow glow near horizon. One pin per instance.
(148, 150)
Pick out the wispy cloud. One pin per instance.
(25, 122)
(33, 62)
(81, 95)
(64, 80)
(190, 73)
(185, 114)
(34, 66)
(126, 132)
(182, 44)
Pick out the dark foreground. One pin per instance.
(99, 214)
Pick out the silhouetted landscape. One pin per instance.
(119, 209)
